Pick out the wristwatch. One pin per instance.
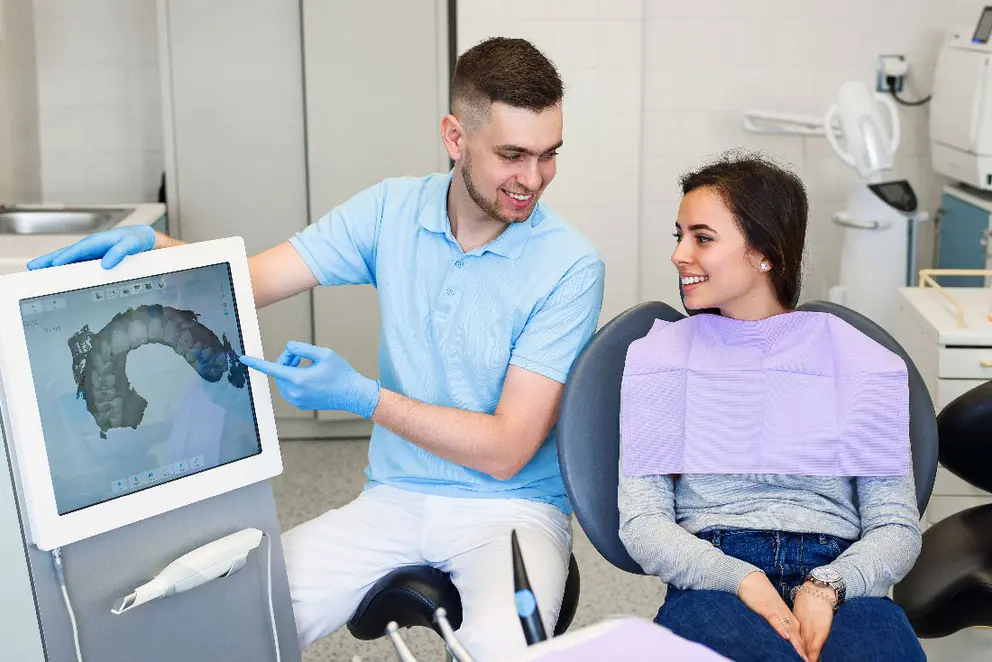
(829, 578)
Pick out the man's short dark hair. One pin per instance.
(510, 71)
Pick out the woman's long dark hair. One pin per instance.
(770, 206)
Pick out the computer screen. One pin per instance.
(138, 383)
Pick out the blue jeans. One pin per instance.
(863, 629)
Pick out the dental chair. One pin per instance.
(950, 587)
(589, 426)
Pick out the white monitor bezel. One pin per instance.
(22, 419)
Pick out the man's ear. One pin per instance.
(453, 136)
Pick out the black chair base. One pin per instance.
(950, 587)
(411, 595)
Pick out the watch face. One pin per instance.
(826, 575)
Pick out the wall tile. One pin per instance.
(99, 99)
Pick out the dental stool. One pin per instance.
(950, 587)
(411, 595)
(589, 422)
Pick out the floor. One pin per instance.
(320, 475)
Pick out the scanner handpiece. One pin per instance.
(220, 558)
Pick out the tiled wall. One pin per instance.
(99, 100)
(705, 63)
(653, 114)
(19, 148)
(597, 48)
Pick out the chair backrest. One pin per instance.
(589, 421)
(964, 426)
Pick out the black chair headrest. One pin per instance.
(965, 426)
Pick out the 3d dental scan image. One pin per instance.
(140, 381)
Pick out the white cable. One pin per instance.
(57, 557)
(72, 619)
(272, 612)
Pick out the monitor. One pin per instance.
(123, 393)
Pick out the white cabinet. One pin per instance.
(952, 361)
(275, 112)
(235, 137)
(376, 90)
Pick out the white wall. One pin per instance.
(99, 100)
(653, 114)
(707, 63)
(19, 150)
(597, 48)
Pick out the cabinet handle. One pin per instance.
(985, 364)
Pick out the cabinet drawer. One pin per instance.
(949, 389)
(965, 363)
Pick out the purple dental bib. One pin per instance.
(799, 393)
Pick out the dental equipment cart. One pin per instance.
(227, 619)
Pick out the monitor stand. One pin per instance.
(226, 619)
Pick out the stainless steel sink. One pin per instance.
(62, 220)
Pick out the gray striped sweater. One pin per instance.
(659, 517)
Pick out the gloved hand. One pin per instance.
(330, 383)
(111, 245)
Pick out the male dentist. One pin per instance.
(486, 298)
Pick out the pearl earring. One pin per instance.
(764, 266)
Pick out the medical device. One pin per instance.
(123, 394)
(961, 109)
(881, 214)
(530, 616)
(220, 558)
(880, 217)
(530, 619)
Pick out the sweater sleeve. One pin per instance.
(890, 537)
(663, 548)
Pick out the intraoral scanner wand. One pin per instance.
(530, 617)
(220, 558)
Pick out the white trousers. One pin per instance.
(334, 559)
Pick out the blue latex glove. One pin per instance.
(111, 245)
(329, 383)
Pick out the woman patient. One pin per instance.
(765, 462)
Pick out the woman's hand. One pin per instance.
(814, 607)
(757, 592)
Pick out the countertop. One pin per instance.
(937, 312)
(16, 250)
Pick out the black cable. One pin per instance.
(891, 81)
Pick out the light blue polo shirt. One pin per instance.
(452, 322)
